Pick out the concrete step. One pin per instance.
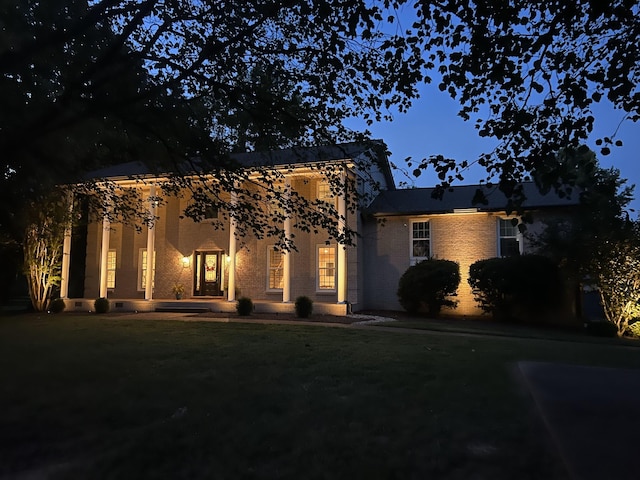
(182, 309)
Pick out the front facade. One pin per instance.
(140, 268)
(214, 266)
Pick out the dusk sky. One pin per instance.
(432, 127)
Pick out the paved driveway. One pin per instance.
(593, 415)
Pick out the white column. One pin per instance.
(231, 288)
(151, 244)
(286, 255)
(104, 253)
(342, 252)
(66, 251)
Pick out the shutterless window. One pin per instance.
(325, 194)
(142, 269)
(327, 268)
(275, 268)
(509, 238)
(420, 241)
(111, 269)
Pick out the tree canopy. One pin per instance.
(95, 81)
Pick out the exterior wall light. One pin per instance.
(186, 261)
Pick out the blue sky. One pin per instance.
(432, 127)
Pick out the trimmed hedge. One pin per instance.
(515, 287)
(101, 305)
(304, 307)
(244, 306)
(56, 305)
(427, 286)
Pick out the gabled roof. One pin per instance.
(376, 151)
(417, 201)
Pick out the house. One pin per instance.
(215, 264)
(212, 258)
(418, 226)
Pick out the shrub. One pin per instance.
(56, 305)
(304, 307)
(101, 305)
(602, 329)
(244, 306)
(511, 287)
(427, 285)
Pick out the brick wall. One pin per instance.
(176, 238)
(464, 238)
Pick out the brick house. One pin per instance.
(417, 226)
(215, 266)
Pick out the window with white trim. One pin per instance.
(510, 240)
(111, 269)
(275, 268)
(325, 194)
(420, 241)
(326, 268)
(142, 269)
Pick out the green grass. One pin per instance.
(103, 397)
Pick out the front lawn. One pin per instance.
(109, 397)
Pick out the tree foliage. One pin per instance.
(530, 74)
(600, 217)
(93, 82)
(597, 244)
(42, 247)
(616, 269)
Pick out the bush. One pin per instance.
(304, 307)
(602, 329)
(244, 306)
(56, 305)
(427, 285)
(512, 287)
(101, 305)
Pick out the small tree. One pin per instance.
(47, 220)
(616, 268)
(428, 284)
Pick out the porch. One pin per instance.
(216, 305)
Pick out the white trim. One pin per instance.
(519, 237)
(104, 249)
(114, 269)
(140, 286)
(270, 268)
(329, 199)
(334, 247)
(415, 259)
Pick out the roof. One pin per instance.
(275, 158)
(415, 201)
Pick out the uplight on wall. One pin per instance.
(186, 261)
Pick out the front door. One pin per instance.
(207, 274)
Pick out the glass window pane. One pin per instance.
(326, 268)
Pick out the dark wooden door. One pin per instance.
(207, 281)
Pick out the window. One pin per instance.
(326, 268)
(325, 194)
(275, 268)
(111, 269)
(509, 238)
(142, 269)
(420, 241)
(211, 212)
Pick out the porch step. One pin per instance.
(182, 309)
